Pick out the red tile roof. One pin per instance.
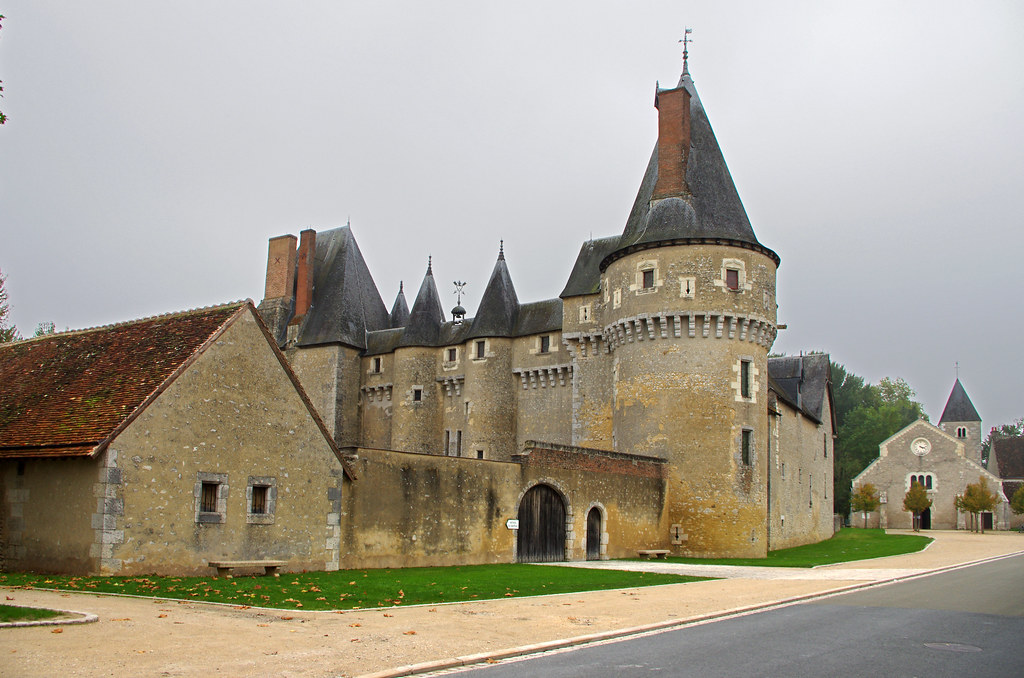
(63, 394)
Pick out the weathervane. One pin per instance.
(458, 313)
(458, 291)
(686, 42)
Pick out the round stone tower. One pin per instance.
(689, 313)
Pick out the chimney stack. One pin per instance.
(304, 277)
(673, 142)
(280, 268)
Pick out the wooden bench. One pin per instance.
(224, 567)
(652, 553)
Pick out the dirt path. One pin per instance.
(165, 638)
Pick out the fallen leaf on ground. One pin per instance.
(354, 640)
(355, 625)
(388, 615)
(409, 633)
(161, 616)
(122, 619)
(57, 631)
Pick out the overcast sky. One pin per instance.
(154, 147)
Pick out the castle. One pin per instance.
(637, 411)
(657, 347)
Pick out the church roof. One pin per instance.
(64, 394)
(346, 303)
(400, 310)
(959, 406)
(499, 305)
(802, 381)
(1009, 454)
(426, 317)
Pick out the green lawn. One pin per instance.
(12, 613)
(844, 546)
(355, 589)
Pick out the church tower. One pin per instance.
(960, 420)
(685, 313)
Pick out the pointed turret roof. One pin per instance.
(426, 317)
(400, 310)
(346, 303)
(499, 306)
(959, 406)
(711, 207)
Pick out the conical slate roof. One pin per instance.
(346, 303)
(400, 310)
(959, 406)
(499, 306)
(426, 317)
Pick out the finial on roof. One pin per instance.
(686, 42)
(348, 221)
(430, 265)
(401, 286)
(956, 367)
(501, 250)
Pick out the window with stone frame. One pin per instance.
(648, 278)
(545, 344)
(211, 497)
(746, 443)
(376, 365)
(452, 354)
(745, 378)
(417, 395)
(732, 278)
(961, 431)
(481, 350)
(261, 500)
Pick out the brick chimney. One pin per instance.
(304, 276)
(673, 142)
(281, 268)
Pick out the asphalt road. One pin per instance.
(967, 623)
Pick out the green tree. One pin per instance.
(866, 415)
(917, 502)
(7, 332)
(1017, 501)
(865, 500)
(43, 329)
(975, 500)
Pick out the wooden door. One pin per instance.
(594, 534)
(541, 535)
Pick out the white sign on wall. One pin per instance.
(512, 524)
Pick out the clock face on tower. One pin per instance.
(920, 446)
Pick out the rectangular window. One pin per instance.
(545, 344)
(258, 504)
(745, 378)
(208, 498)
(447, 443)
(648, 279)
(481, 350)
(732, 278)
(417, 395)
(824, 445)
(745, 447)
(376, 365)
(452, 354)
(479, 454)
(458, 443)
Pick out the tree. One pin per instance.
(975, 500)
(43, 329)
(917, 502)
(7, 333)
(865, 500)
(1017, 501)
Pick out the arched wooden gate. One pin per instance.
(541, 536)
(594, 534)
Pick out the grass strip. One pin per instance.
(356, 589)
(14, 613)
(845, 546)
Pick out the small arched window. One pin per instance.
(961, 431)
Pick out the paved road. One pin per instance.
(967, 622)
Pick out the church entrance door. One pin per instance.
(986, 521)
(594, 534)
(926, 519)
(541, 535)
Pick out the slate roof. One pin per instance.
(64, 394)
(1009, 457)
(426, 317)
(346, 303)
(400, 310)
(802, 381)
(959, 406)
(499, 305)
(538, 317)
(712, 212)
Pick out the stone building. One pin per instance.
(944, 459)
(160, 444)
(656, 349)
(1007, 459)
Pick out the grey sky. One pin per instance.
(153, 147)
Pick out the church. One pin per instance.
(655, 352)
(636, 410)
